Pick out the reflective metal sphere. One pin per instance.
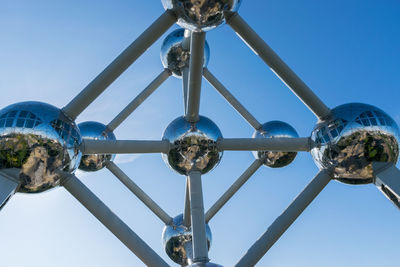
(201, 14)
(177, 240)
(195, 147)
(38, 139)
(95, 131)
(174, 57)
(351, 138)
(274, 129)
(204, 264)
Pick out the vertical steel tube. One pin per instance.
(283, 222)
(185, 70)
(135, 103)
(139, 193)
(197, 43)
(199, 239)
(119, 65)
(278, 66)
(186, 210)
(233, 189)
(112, 222)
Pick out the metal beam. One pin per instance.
(185, 69)
(196, 61)
(387, 180)
(233, 189)
(9, 184)
(186, 210)
(119, 65)
(283, 222)
(265, 144)
(199, 239)
(231, 99)
(135, 103)
(139, 193)
(95, 206)
(89, 146)
(278, 66)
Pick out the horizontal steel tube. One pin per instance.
(112, 222)
(231, 99)
(139, 193)
(278, 66)
(265, 144)
(283, 222)
(120, 64)
(123, 146)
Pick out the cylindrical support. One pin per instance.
(132, 106)
(199, 239)
(197, 43)
(233, 189)
(120, 64)
(139, 193)
(112, 222)
(231, 99)
(89, 146)
(282, 144)
(278, 66)
(186, 209)
(283, 222)
(185, 69)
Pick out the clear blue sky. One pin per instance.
(347, 51)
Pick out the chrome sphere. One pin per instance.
(95, 131)
(275, 129)
(39, 140)
(174, 57)
(351, 138)
(194, 145)
(204, 264)
(201, 14)
(177, 241)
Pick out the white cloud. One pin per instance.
(120, 159)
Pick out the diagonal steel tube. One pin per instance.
(9, 184)
(233, 189)
(199, 239)
(95, 206)
(278, 66)
(185, 69)
(387, 180)
(268, 144)
(120, 64)
(89, 146)
(186, 210)
(283, 222)
(231, 99)
(135, 103)
(139, 193)
(197, 43)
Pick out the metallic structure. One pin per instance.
(41, 146)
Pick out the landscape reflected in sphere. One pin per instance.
(201, 14)
(274, 129)
(39, 140)
(351, 138)
(95, 131)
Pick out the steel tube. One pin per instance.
(89, 146)
(387, 180)
(135, 103)
(197, 43)
(231, 99)
(120, 64)
(278, 66)
(233, 189)
(186, 210)
(185, 70)
(199, 239)
(265, 144)
(283, 222)
(112, 222)
(139, 193)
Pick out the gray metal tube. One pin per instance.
(112, 222)
(186, 210)
(231, 99)
(185, 70)
(197, 43)
(199, 239)
(89, 146)
(139, 193)
(257, 44)
(387, 180)
(233, 189)
(283, 222)
(265, 144)
(132, 106)
(120, 64)
(9, 184)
